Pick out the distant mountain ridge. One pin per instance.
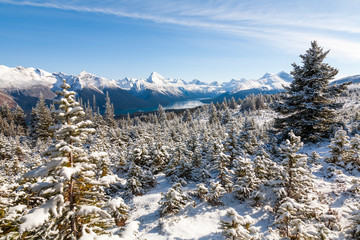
(352, 79)
(27, 83)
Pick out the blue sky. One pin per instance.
(210, 40)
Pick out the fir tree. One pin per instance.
(173, 200)
(41, 120)
(339, 146)
(187, 116)
(216, 191)
(214, 115)
(236, 227)
(309, 105)
(161, 115)
(201, 191)
(298, 182)
(68, 199)
(295, 208)
(233, 103)
(354, 157)
(355, 226)
(246, 181)
(109, 111)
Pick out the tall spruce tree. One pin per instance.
(308, 106)
(109, 112)
(68, 200)
(41, 120)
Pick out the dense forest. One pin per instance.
(282, 166)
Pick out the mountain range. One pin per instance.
(23, 86)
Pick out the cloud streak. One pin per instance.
(279, 23)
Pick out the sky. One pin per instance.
(209, 40)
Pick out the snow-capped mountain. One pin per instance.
(354, 80)
(88, 80)
(267, 82)
(25, 83)
(161, 85)
(20, 77)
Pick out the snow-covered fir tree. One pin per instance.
(309, 105)
(245, 179)
(339, 146)
(41, 120)
(67, 200)
(173, 200)
(238, 227)
(294, 209)
(109, 111)
(216, 191)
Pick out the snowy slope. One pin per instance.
(267, 82)
(355, 80)
(27, 78)
(179, 87)
(20, 77)
(166, 86)
(88, 80)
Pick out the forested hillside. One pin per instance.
(282, 166)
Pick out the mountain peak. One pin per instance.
(155, 78)
(84, 73)
(197, 82)
(267, 75)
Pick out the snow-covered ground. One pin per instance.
(199, 220)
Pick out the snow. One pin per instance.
(37, 216)
(267, 82)
(67, 172)
(23, 78)
(336, 187)
(20, 77)
(87, 210)
(89, 80)
(108, 179)
(43, 170)
(130, 231)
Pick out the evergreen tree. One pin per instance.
(233, 103)
(139, 179)
(355, 226)
(339, 146)
(41, 120)
(223, 173)
(214, 115)
(263, 166)
(187, 116)
(246, 181)
(173, 200)
(109, 111)
(216, 191)
(68, 200)
(19, 119)
(295, 208)
(249, 141)
(236, 227)
(201, 191)
(297, 177)
(161, 114)
(355, 151)
(308, 105)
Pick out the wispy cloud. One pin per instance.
(287, 24)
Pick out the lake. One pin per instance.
(175, 105)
